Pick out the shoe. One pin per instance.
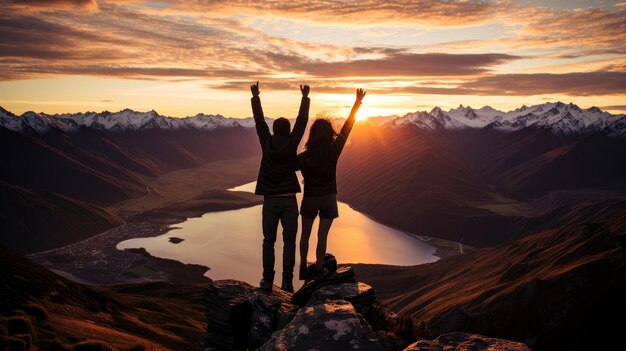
(266, 286)
(287, 286)
(319, 274)
(302, 275)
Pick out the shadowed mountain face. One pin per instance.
(38, 220)
(542, 289)
(478, 186)
(103, 167)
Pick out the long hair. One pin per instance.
(321, 136)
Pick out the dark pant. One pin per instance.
(285, 210)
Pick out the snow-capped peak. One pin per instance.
(560, 118)
(123, 120)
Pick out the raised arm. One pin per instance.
(349, 123)
(303, 115)
(262, 130)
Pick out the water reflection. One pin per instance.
(230, 242)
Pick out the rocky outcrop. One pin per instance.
(466, 342)
(239, 316)
(325, 325)
(226, 311)
(332, 313)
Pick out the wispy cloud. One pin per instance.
(394, 63)
(539, 50)
(431, 12)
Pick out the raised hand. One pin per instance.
(305, 90)
(254, 88)
(360, 94)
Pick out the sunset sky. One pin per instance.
(185, 57)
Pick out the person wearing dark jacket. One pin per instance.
(278, 183)
(318, 164)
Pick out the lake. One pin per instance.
(229, 242)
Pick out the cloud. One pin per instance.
(589, 31)
(574, 84)
(66, 4)
(139, 40)
(614, 107)
(139, 45)
(396, 63)
(431, 12)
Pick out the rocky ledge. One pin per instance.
(333, 313)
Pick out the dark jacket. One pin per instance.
(319, 167)
(277, 172)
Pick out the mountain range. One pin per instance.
(558, 117)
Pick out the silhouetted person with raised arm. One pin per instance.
(278, 183)
(318, 164)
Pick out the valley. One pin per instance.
(523, 207)
(171, 199)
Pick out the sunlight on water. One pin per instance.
(229, 242)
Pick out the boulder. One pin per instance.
(325, 325)
(268, 313)
(239, 316)
(342, 275)
(466, 342)
(227, 312)
(359, 294)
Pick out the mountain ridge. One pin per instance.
(558, 117)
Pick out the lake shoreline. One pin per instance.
(98, 261)
(233, 247)
(443, 247)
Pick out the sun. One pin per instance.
(366, 111)
(339, 105)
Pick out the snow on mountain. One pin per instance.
(10, 121)
(116, 121)
(436, 119)
(475, 118)
(560, 118)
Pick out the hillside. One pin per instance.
(104, 167)
(27, 214)
(56, 312)
(542, 289)
(478, 185)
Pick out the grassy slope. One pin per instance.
(157, 315)
(542, 289)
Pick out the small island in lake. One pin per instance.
(175, 240)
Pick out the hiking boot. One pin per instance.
(287, 286)
(266, 286)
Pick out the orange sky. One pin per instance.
(185, 57)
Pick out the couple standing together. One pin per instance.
(278, 183)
